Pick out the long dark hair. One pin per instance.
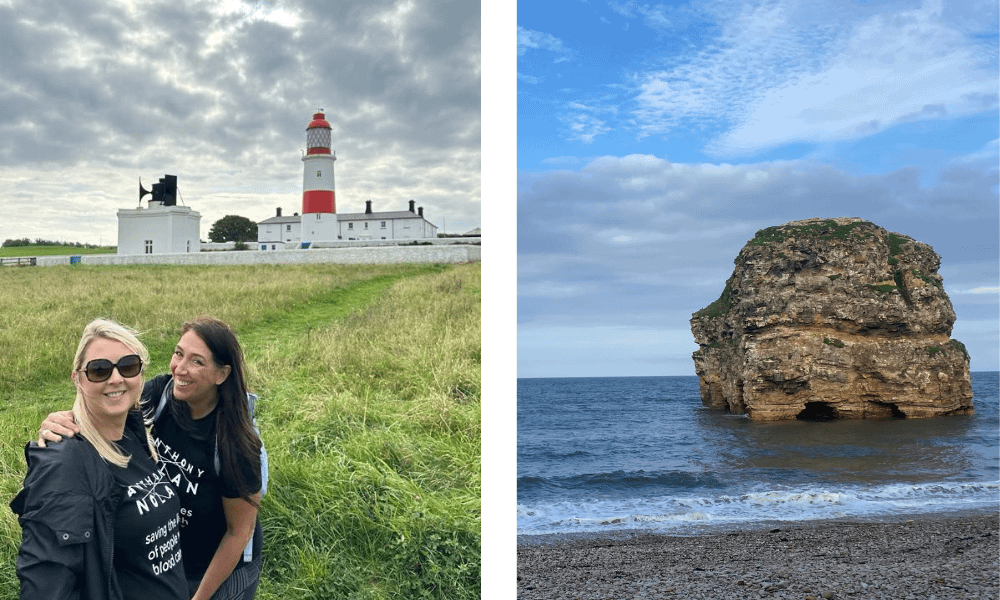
(238, 443)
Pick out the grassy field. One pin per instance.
(369, 378)
(33, 250)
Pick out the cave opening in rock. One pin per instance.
(896, 413)
(817, 411)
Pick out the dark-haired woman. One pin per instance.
(205, 436)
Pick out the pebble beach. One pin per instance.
(912, 558)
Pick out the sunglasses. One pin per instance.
(100, 369)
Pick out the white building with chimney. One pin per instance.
(396, 225)
(163, 227)
(281, 232)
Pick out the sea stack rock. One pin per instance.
(832, 318)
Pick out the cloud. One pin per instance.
(528, 39)
(625, 9)
(637, 192)
(584, 127)
(777, 75)
(674, 20)
(991, 290)
(98, 94)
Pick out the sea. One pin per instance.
(597, 455)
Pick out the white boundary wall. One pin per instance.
(448, 241)
(368, 255)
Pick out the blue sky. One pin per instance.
(654, 140)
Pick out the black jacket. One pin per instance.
(67, 511)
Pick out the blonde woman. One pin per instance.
(99, 518)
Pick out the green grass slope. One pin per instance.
(369, 378)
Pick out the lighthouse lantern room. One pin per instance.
(319, 206)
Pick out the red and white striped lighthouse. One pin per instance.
(317, 176)
(319, 206)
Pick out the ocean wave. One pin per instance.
(785, 498)
(675, 513)
(627, 480)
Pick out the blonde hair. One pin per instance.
(109, 330)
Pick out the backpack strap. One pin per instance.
(251, 402)
(163, 399)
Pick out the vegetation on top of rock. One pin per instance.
(827, 229)
(883, 287)
(952, 344)
(896, 242)
(720, 306)
(926, 279)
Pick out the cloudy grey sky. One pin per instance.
(654, 140)
(95, 94)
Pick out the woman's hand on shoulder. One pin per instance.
(56, 426)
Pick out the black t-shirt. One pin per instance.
(189, 458)
(147, 528)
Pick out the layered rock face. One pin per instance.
(832, 318)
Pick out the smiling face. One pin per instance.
(196, 376)
(108, 401)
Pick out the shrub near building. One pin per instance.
(233, 228)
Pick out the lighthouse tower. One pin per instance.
(319, 208)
